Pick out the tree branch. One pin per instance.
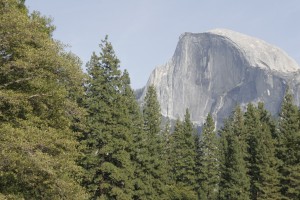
(16, 81)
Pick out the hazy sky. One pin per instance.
(144, 33)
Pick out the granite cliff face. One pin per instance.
(212, 72)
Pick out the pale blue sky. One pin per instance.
(144, 33)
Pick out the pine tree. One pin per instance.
(288, 148)
(183, 159)
(181, 185)
(268, 160)
(252, 125)
(189, 151)
(262, 163)
(154, 140)
(234, 182)
(109, 140)
(151, 113)
(198, 162)
(40, 85)
(167, 156)
(140, 156)
(208, 174)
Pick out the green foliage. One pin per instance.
(167, 148)
(234, 182)
(109, 141)
(34, 166)
(209, 162)
(151, 113)
(269, 162)
(155, 166)
(262, 163)
(143, 188)
(183, 159)
(40, 87)
(288, 148)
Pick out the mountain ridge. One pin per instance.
(211, 72)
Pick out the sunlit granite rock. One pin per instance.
(212, 72)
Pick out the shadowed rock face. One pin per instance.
(213, 72)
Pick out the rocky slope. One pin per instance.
(212, 72)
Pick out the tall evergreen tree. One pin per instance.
(183, 159)
(234, 182)
(167, 155)
(208, 174)
(268, 160)
(110, 170)
(39, 87)
(154, 139)
(262, 162)
(143, 188)
(189, 151)
(151, 113)
(288, 148)
(198, 164)
(252, 125)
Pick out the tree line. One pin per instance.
(69, 135)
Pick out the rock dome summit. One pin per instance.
(214, 71)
